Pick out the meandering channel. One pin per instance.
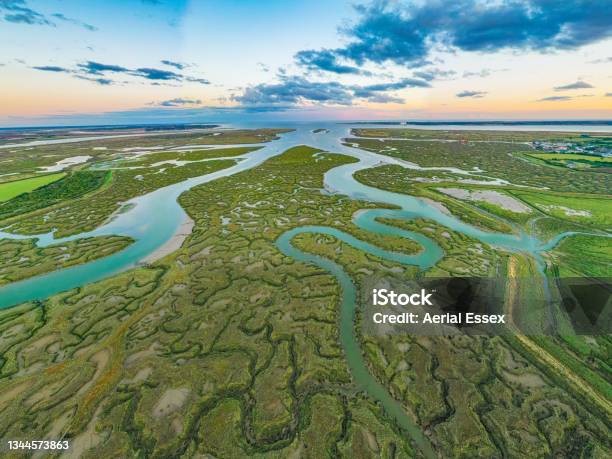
(348, 338)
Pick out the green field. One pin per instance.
(585, 256)
(67, 188)
(587, 210)
(9, 190)
(570, 156)
(573, 161)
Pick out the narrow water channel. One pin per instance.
(348, 339)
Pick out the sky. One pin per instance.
(71, 62)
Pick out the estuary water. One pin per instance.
(152, 220)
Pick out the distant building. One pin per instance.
(583, 148)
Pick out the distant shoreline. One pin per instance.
(490, 123)
(112, 127)
(212, 125)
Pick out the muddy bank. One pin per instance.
(174, 243)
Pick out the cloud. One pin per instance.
(555, 99)
(156, 74)
(577, 85)
(86, 26)
(325, 60)
(197, 80)
(294, 90)
(383, 34)
(18, 12)
(52, 68)
(400, 84)
(405, 32)
(177, 65)
(96, 68)
(482, 73)
(601, 61)
(30, 18)
(101, 81)
(56, 69)
(375, 92)
(165, 75)
(472, 94)
(264, 108)
(433, 74)
(427, 76)
(152, 74)
(608, 94)
(385, 99)
(179, 101)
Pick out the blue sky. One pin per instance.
(77, 62)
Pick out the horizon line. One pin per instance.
(430, 122)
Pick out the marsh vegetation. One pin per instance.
(229, 348)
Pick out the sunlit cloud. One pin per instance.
(404, 33)
(577, 85)
(472, 94)
(555, 99)
(91, 68)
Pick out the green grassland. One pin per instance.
(592, 211)
(579, 362)
(583, 255)
(521, 219)
(87, 198)
(229, 348)
(574, 161)
(9, 190)
(73, 186)
(571, 156)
